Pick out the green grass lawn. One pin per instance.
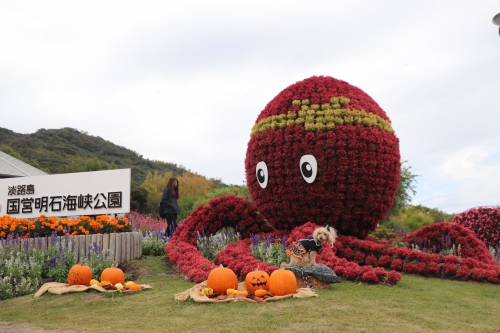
(415, 304)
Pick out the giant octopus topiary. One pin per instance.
(324, 152)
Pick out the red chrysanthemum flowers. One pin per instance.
(322, 150)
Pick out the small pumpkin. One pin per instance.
(282, 282)
(79, 274)
(104, 283)
(242, 293)
(260, 293)
(257, 280)
(221, 278)
(119, 286)
(93, 282)
(113, 274)
(135, 286)
(129, 283)
(207, 292)
(231, 291)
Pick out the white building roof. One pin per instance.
(12, 167)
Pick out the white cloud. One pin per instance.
(465, 178)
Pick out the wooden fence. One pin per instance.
(122, 247)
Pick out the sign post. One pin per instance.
(83, 193)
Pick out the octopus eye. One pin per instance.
(308, 168)
(262, 175)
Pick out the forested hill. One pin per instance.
(69, 150)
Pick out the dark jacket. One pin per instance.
(169, 202)
(309, 244)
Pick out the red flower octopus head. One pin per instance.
(324, 151)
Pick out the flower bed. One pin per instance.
(189, 260)
(484, 222)
(224, 211)
(238, 256)
(44, 226)
(475, 263)
(362, 260)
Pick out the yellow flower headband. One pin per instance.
(324, 117)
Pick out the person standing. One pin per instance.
(170, 209)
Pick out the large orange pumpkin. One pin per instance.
(257, 280)
(79, 274)
(282, 282)
(221, 279)
(113, 274)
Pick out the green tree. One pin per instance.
(31, 161)
(91, 164)
(435, 214)
(413, 219)
(94, 164)
(154, 185)
(405, 216)
(188, 203)
(406, 188)
(138, 198)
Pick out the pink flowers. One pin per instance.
(484, 222)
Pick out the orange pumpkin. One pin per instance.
(134, 287)
(260, 293)
(282, 282)
(257, 280)
(231, 291)
(242, 293)
(222, 278)
(79, 274)
(105, 283)
(113, 274)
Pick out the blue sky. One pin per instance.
(185, 82)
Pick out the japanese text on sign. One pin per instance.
(64, 203)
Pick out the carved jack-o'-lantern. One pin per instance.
(257, 280)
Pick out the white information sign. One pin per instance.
(82, 193)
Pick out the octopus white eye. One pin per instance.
(262, 174)
(308, 168)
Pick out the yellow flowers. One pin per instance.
(324, 117)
